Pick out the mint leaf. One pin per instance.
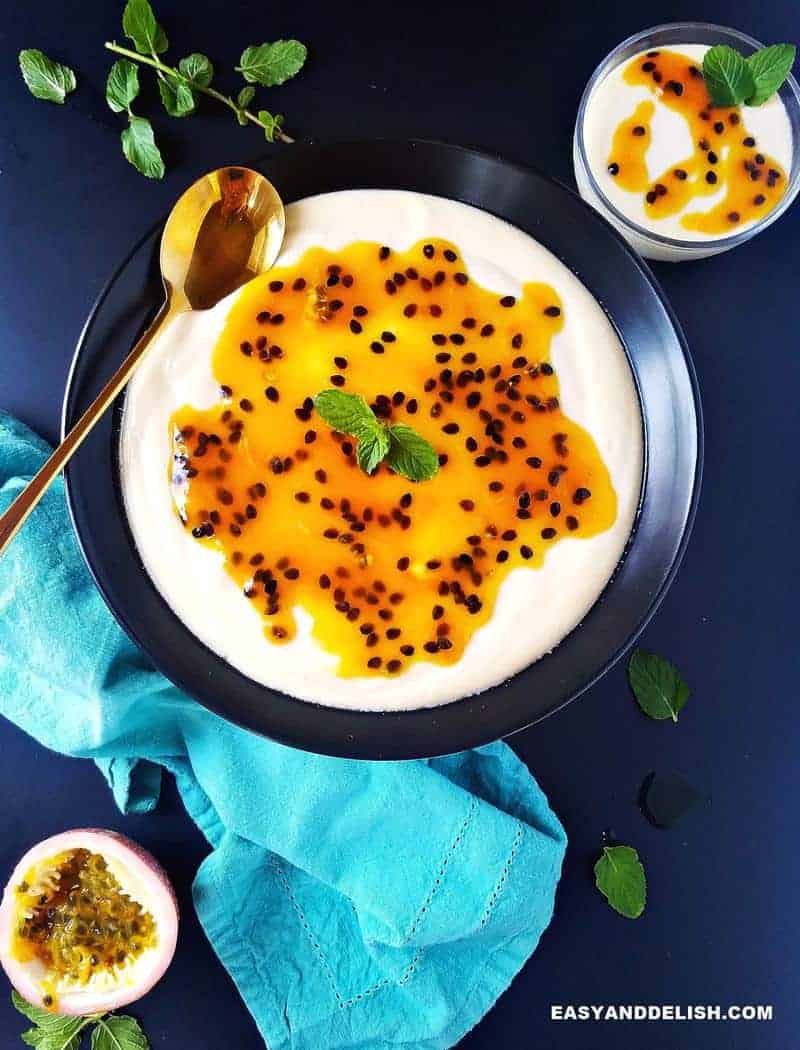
(198, 69)
(410, 454)
(727, 76)
(122, 85)
(620, 877)
(140, 148)
(178, 98)
(245, 97)
(347, 413)
(139, 25)
(373, 444)
(69, 1039)
(52, 1031)
(272, 64)
(41, 1018)
(117, 1032)
(271, 124)
(769, 67)
(657, 685)
(45, 78)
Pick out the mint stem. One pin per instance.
(162, 67)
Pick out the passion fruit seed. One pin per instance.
(77, 921)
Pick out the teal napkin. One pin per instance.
(355, 904)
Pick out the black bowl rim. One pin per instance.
(380, 734)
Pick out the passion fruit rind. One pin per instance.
(88, 923)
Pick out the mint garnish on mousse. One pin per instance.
(733, 80)
(403, 449)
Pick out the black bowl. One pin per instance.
(667, 386)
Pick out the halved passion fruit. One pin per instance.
(88, 923)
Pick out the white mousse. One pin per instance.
(535, 608)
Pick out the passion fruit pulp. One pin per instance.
(88, 923)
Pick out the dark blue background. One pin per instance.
(723, 911)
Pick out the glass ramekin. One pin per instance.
(653, 245)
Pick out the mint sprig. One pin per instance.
(56, 1032)
(619, 876)
(267, 64)
(657, 685)
(733, 80)
(400, 446)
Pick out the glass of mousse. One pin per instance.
(679, 177)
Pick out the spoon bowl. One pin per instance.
(227, 228)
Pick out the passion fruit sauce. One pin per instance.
(725, 155)
(390, 572)
(74, 918)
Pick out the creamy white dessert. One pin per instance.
(734, 148)
(534, 608)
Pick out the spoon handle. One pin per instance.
(15, 515)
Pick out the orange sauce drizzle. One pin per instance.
(390, 571)
(725, 156)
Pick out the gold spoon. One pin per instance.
(225, 230)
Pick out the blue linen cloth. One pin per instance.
(355, 904)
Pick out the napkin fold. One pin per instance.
(355, 904)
